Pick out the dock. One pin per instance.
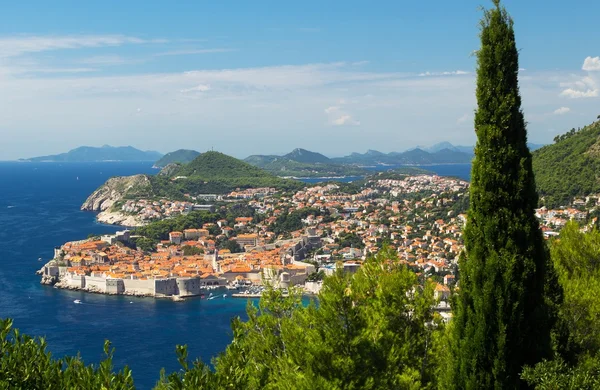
(254, 295)
(240, 295)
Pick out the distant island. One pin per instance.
(303, 163)
(438, 154)
(409, 157)
(181, 156)
(97, 154)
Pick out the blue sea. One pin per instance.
(462, 171)
(39, 209)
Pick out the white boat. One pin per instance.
(77, 301)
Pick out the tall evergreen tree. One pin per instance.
(502, 319)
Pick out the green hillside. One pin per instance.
(303, 163)
(410, 157)
(570, 167)
(181, 156)
(214, 172)
(216, 166)
(306, 156)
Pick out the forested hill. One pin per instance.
(216, 165)
(570, 167)
(306, 156)
(209, 173)
(303, 163)
(181, 156)
(214, 172)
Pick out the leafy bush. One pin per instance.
(25, 364)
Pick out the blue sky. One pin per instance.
(269, 76)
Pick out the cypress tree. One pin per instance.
(503, 319)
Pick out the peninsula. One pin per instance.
(265, 235)
(208, 176)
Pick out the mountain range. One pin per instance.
(95, 154)
(410, 157)
(302, 163)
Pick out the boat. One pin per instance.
(77, 301)
(39, 259)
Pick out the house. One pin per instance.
(449, 280)
(246, 239)
(441, 292)
(175, 237)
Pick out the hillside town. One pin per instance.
(418, 217)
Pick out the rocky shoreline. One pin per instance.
(118, 218)
(114, 190)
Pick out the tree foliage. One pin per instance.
(569, 167)
(502, 318)
(160, 230)
(370, 331)
(230, 245)
(25, 364)
(289, 222)
(350, 240)
(576, 257)
(558, 375)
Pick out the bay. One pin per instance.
(39, 209)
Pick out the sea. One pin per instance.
(461, 171)
(39, 210)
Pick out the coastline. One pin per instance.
(119, 219)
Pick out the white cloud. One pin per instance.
(198, 88)
(338, 117)
(333, 104)
(193, 51)
(18, 45)
(576, 94)
(345, 120)
(561, 110)
(453, 73)
(586, 87)
(591, 64)
(106, 60)
(55, 70)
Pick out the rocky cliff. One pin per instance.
(169, 169)
(114, 190)
(118, 218)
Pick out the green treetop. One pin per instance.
(502, 321)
